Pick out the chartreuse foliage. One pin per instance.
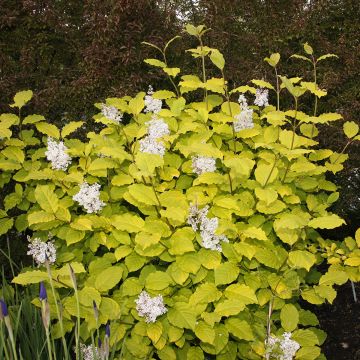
(269, 192)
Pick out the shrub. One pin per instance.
(192, 226)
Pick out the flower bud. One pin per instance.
(42, 292)
(96, 311)
(3, 309)
(107, 330)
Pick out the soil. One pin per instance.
(341, 321)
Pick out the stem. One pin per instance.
(230, 183)
(316, 98)
(230, 111)
(20, 124)
(11, 336)
(293, 137)
(170, 78)
(4, 343)
(277, 90)
(57, 311)
(270, 173)
(203, 72)
(342, 151)
(48, 343)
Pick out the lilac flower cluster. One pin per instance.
(199, 221)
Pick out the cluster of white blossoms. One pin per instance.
(42, 251)
(90, 353)
(261, 97)
(281, 348)
(199, 221)
(244, 120)
(150, 144)
(88, 197)
(56, 153)
(151, 104)
(112, 113)
(203, 164)
(150, 308)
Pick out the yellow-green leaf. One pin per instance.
(289, 317)
(46, 198)
(108, 278)
(326, 222)
(70, 128)
(21, 98)
(351, 129)
(48, 129)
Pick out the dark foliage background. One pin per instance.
(73, 53)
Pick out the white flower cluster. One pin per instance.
(90, 353)
(56, 153)
(244, 120)
(150, 308)
(151, 104)
(281, 348)
(261, 97)
(199, 221)
(157, 128)
(41, 251)
(88, 197)
(112, 113)
(203, 164)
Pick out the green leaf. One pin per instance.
(137, 103)
(128, 222)
(155, 62)
(266, 174)
(308, 353)
(154, 331)
(108, 278)
(217, 58)
(326, 222)
(334, 277)
(144, 194)
(5, 225)
(21, 98)
(229, 307)
(273, 60)
(263, 84)
(351, 129)
(191, 29)
(305, 337)
(70, 128)
(241, 293)
(148, 162)
(48, 129)
(301, 57)
(163, 94)
(157, 280)
(37, 217)
(30, 277)
(205, 293)
(302, 259)
(89, 294)
(308, 49)
(313, 88)
(14, 153)
(32, 119)
(205, 332)
(181, 241)
(182, 315)
(172, 71)
(226, 273)
(46, 198)
(239, 328)
(289, 317)
(326, 56)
